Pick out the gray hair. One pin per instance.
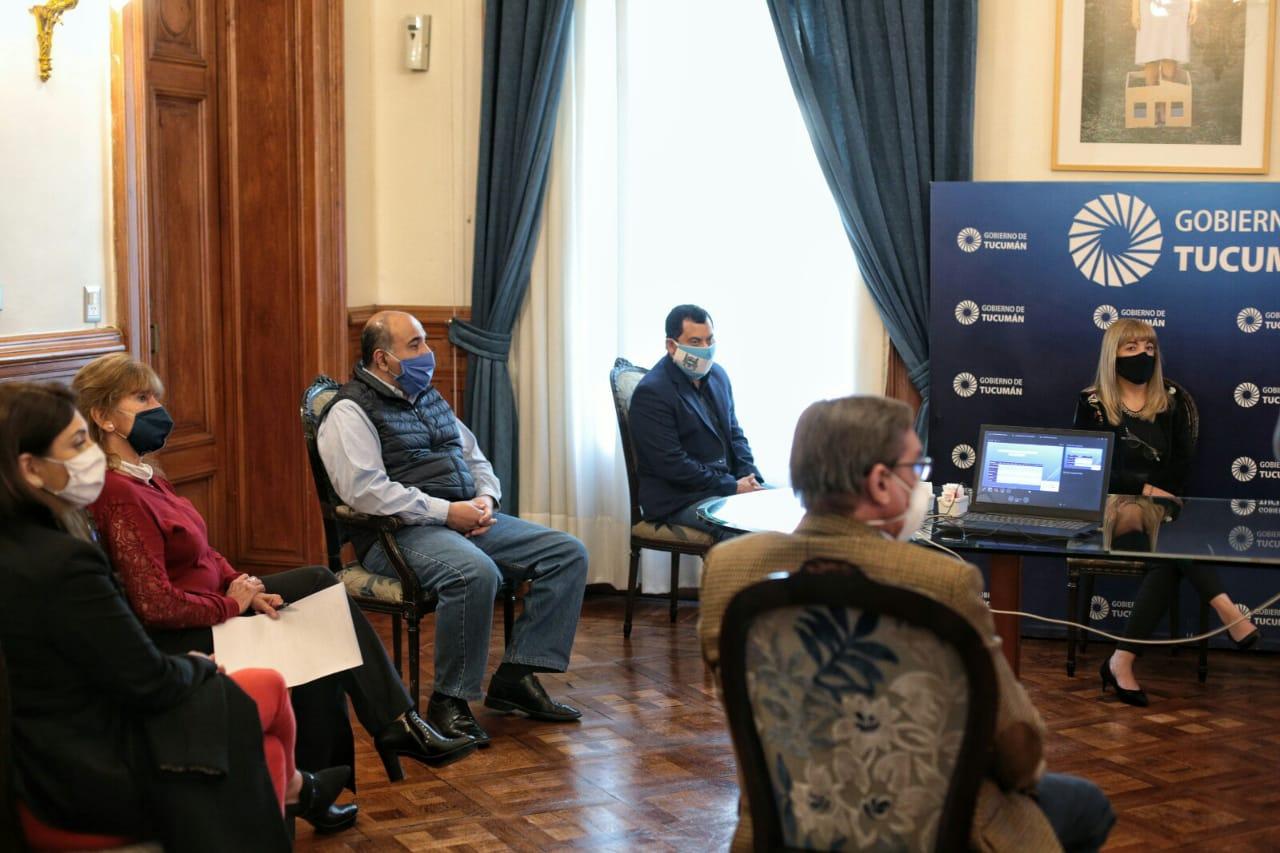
(837, 441)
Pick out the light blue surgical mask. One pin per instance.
(696, 362)
(416, 373)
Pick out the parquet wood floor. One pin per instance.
(650, 766)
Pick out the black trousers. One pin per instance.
(1152, 600)
(324, 732)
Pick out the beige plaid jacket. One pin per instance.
(1006, 818)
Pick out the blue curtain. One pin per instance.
(525, 42)
(886, 89)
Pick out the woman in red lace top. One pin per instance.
(179, 585)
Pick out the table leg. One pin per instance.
(1006, 594)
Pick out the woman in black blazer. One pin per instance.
(105, 729)
(1154, 444)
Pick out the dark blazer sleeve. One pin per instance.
(746, 463)
(1173, 476)
(658, 448)
(101, 634)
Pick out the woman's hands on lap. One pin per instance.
(242, 589)
(268, 603)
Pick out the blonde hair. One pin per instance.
(1107, 387)
(105, 381)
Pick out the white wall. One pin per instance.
(411, 150)
(55, 170)
(1013, 112)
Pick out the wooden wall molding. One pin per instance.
(451, 362)
(55, 355)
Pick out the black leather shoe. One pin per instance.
(315, 801)
(452, 717)
(1137, 698)
(412, 737)
(528, 696)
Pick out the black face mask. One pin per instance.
(1138, 369)
(150, 430)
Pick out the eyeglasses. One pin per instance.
(923, 467)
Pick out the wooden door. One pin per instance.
(176, 304)
(281, 90)
(235, 284)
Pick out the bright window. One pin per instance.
(721, 202)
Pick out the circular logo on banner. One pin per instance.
(969, 240)
(1099, 607)
(1244, 469)
(1246, 395)
(1243, 506)
(962, 456)
(1241, 538)
(1115, 239)
(965, 384)
(1104, 316)
(967, 313)
(1249, 320)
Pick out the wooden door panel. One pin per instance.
(262, 174)
(236, 280)
(184, 336)
(183, 292)
(279, 236)
(179, 31)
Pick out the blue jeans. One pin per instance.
(1078, 811)
(463, 575)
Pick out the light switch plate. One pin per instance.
(92, 303)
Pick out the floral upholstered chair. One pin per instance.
(862, 714)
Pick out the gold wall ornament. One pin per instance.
(47, 17)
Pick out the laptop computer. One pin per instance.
(1036, 482)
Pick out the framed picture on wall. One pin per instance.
(1163, 85)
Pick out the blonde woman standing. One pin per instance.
(1154, 445)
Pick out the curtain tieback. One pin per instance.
(920, 378)
(481, 343)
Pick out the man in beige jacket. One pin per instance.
(856, 465)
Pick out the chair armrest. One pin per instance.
(385, 526)
(346, 515)
(410, 586)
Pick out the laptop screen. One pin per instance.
(1064, 471)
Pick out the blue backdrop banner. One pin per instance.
(1025, 279)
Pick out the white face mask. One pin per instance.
(86, 474)
(694, 361)
(917, 508)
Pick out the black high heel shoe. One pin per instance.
(413, 737)
(1137, 698)
(315, 801)
(1249, 640)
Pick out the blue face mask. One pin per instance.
(415, 374)
(150, 430)
(694, 361)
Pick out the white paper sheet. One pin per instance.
(313, 637)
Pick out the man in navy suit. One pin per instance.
(688, 444)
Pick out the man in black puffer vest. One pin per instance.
(392, 446)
